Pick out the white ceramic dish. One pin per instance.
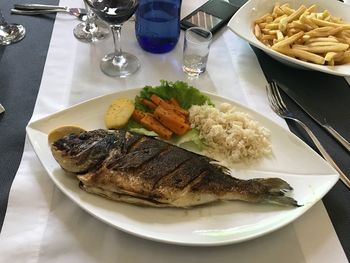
(215, 224)
(242, 24)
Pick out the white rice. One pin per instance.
(230, 133)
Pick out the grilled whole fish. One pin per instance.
(137, 169)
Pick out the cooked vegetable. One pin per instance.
(137, 115)
(148, 103)
(185, 95)
(149, 122)
(167, 105)
(171, 120)
(118, 113)
(152, 124)
(170, 115)
(135, 126)
(178, 108)
(174, 97)
(174, 102)
(171, 107)
(156, 99)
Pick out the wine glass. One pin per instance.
(116, 12)
(92, 29)
(10, 33)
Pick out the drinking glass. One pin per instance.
(10, 33)
(92, 29)
(116, 12)
(196, 50)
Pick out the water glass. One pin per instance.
(196, 50)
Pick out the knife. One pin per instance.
(311, 105)
(37, 9)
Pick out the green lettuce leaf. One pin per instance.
(192, 137)
(185, 95)
(144, 132)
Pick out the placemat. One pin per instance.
(297, 78)
(21, 67)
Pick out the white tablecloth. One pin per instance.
(43, 225)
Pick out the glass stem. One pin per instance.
(88, 17)
(116, 30)
(2, 20)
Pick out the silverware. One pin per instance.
(336, 135)
(278, 106)
(315, 112)
(36, 9)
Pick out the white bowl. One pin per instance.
(242, 24)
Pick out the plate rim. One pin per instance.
(31, 127)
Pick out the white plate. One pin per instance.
(215, 224)
(242, 24)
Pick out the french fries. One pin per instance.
(305, 34)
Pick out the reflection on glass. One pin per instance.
(115, 13)
(92, 29)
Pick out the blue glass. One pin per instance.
(158, 24)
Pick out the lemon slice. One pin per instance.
(62, 131)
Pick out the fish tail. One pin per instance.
(274, 184)
(282, 200)
(273, 191)
(277, 188)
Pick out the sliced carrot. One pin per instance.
(137, 115)
(156, 99)
(148, 103)
(169, 106)
(173, 114)
(171, 120)
(151, 123)
(174, 102)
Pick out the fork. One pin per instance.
(279, 107)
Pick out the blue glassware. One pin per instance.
(158, 24)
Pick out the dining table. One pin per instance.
(50, 70)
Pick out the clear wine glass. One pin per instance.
(92, 29)
(10, 33)
(115, 13)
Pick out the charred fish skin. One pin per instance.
(79, 153)
(143, 170)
